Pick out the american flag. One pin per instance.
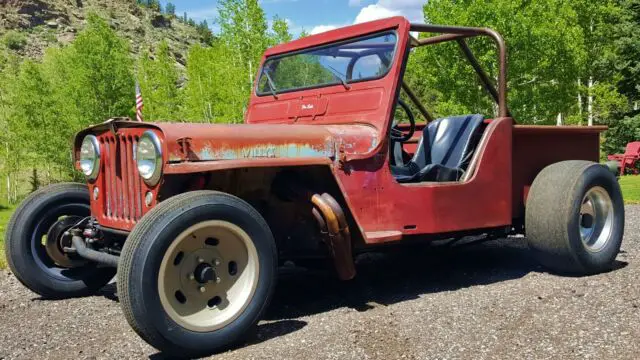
(139, 103)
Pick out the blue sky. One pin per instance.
(313, 15)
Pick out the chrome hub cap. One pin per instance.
(208, 275)
(596, 219)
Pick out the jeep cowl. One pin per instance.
(337, 156)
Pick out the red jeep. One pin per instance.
(197, 218)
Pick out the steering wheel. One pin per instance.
(401, 136)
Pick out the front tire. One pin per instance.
(575, 217)
(29, 259)
(197, 272)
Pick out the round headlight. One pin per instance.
(149, 158)
(90, 157)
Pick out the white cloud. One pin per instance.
(203, 14)
(411, 9)
(375, 12)
(322, 28)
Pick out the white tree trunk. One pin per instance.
(580, 99)
(250, 75)
(590, 102)
(559, 120)
(8, 188)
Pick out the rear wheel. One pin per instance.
(35, 241)
(197, 272)
(575, 217)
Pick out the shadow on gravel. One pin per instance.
(402, 275)
(263, 333)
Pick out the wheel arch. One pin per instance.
(281, 194)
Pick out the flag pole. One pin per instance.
(139, 102)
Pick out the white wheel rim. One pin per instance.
(596, 219)
(200, 305)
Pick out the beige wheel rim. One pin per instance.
(208, 275)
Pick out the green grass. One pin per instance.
(630, 189)
(5, 214)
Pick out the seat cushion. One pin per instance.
(451, 141)
(445, 150)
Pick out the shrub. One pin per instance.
(620, 133)
(15, 40)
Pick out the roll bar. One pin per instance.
(459, 34)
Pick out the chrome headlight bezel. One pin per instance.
(152, 178)
(90, 173)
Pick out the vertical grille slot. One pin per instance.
(123, 188)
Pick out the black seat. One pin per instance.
(445, 150)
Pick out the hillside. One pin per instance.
(28, 27)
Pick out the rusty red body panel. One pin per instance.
(345, 130)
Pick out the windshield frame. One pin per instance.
(337, 82)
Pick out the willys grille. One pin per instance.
(123, 188)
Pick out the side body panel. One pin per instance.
(386, 210)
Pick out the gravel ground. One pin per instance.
(485, 301)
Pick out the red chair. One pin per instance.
(629, 159)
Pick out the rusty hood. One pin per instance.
(193, 147)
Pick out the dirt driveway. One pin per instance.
(483, 302)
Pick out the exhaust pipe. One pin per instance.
(96, 256)
(334, 226)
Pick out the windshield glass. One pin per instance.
(342, 63)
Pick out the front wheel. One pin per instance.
(35, 241)
(197, 272)
(575, 217)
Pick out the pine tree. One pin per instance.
(170, 9)
(206, 36)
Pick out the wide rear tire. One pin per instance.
(196, 273)
(574, 218)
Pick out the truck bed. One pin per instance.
(535, 147)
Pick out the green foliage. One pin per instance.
(100, 62)
(206, 36)
(244, 28)
(542, 60)
(152, 4)
(14, 40)
(45, 104)
(627, 45)
(170, 9)
(158, 82)
(620, 133)
(280, 30)
(214, 92)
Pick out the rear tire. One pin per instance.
(27, 256)
(196, 273)
(575, 218)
